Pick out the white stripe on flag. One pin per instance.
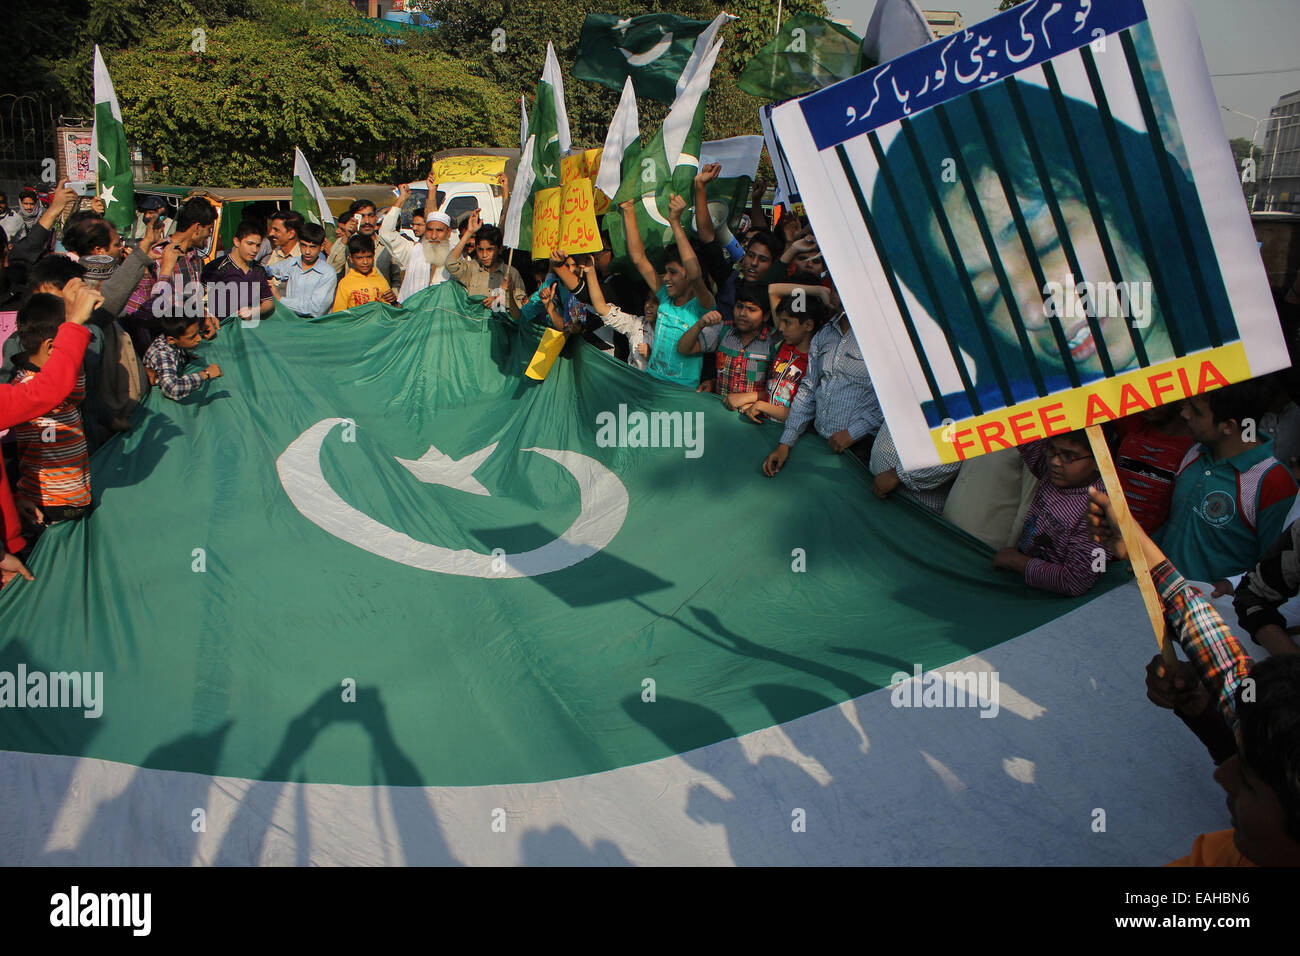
(623, 131)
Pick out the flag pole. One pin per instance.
(1136, 556)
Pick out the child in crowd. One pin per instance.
(1247, 715)
(169, 354)
(744, 350)
(1231, 497)
(682, 293)
(53, 459)
(1056, 551)
(1151, 447)
(639, 329)
(362, 284)
(800, 312)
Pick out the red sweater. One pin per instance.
(36, 397)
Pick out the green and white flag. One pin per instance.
(308, 198)
(808, 53)
(539, 162)
(444, 589)
(624, 135)
(667, 165)
(113, 178)
(656, 50)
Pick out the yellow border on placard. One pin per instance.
(1091, 404)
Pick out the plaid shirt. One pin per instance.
(189, 269)
(741, 368)
(1217, 656)
(166, 361)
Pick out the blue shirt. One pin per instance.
(311, 290)
(665, 362)
(836, 393)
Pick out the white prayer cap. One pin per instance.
(441, 217)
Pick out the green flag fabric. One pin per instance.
(112, 158)
(808, 53)
(653, 49)
(546, 142)
(375, 553)
(308, 199)
(666, 165)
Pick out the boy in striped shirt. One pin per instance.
(53, 460)
(1056, 550)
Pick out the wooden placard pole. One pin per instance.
(1129, 532)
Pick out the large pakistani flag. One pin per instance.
(547, 140)
(667, 165)
(308, 198)
(112, 158)
(506, 616)
(654, 50)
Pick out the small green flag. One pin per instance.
(655, 50)
(308, 198)
(112, 158)
(809, 53)
(539, 162)
(667, 165)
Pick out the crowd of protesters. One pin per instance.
(753, 317)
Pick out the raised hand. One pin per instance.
(708, 173)
(63, 194)
(676, 206)
(79, 300)
(712, 317)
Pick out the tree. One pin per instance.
(233, 113)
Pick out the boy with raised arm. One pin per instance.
(683, 296)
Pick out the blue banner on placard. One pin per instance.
(1001, 46)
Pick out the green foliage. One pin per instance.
(57, 39)
(233, 114)
(466, 31)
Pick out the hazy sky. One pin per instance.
(1237, 35)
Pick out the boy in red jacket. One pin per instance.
(36, 397)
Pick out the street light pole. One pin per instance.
(1254, 199)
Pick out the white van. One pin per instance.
(457, 200)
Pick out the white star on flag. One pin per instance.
(548, 171)
(107, 196)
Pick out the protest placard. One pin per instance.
(468, 169)
(1035, 226)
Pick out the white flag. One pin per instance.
(623, 132)
(703, 44)
(896, 27)
(551, 74)
(308, 199)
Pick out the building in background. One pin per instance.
(944, 22)
(1279, 173)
